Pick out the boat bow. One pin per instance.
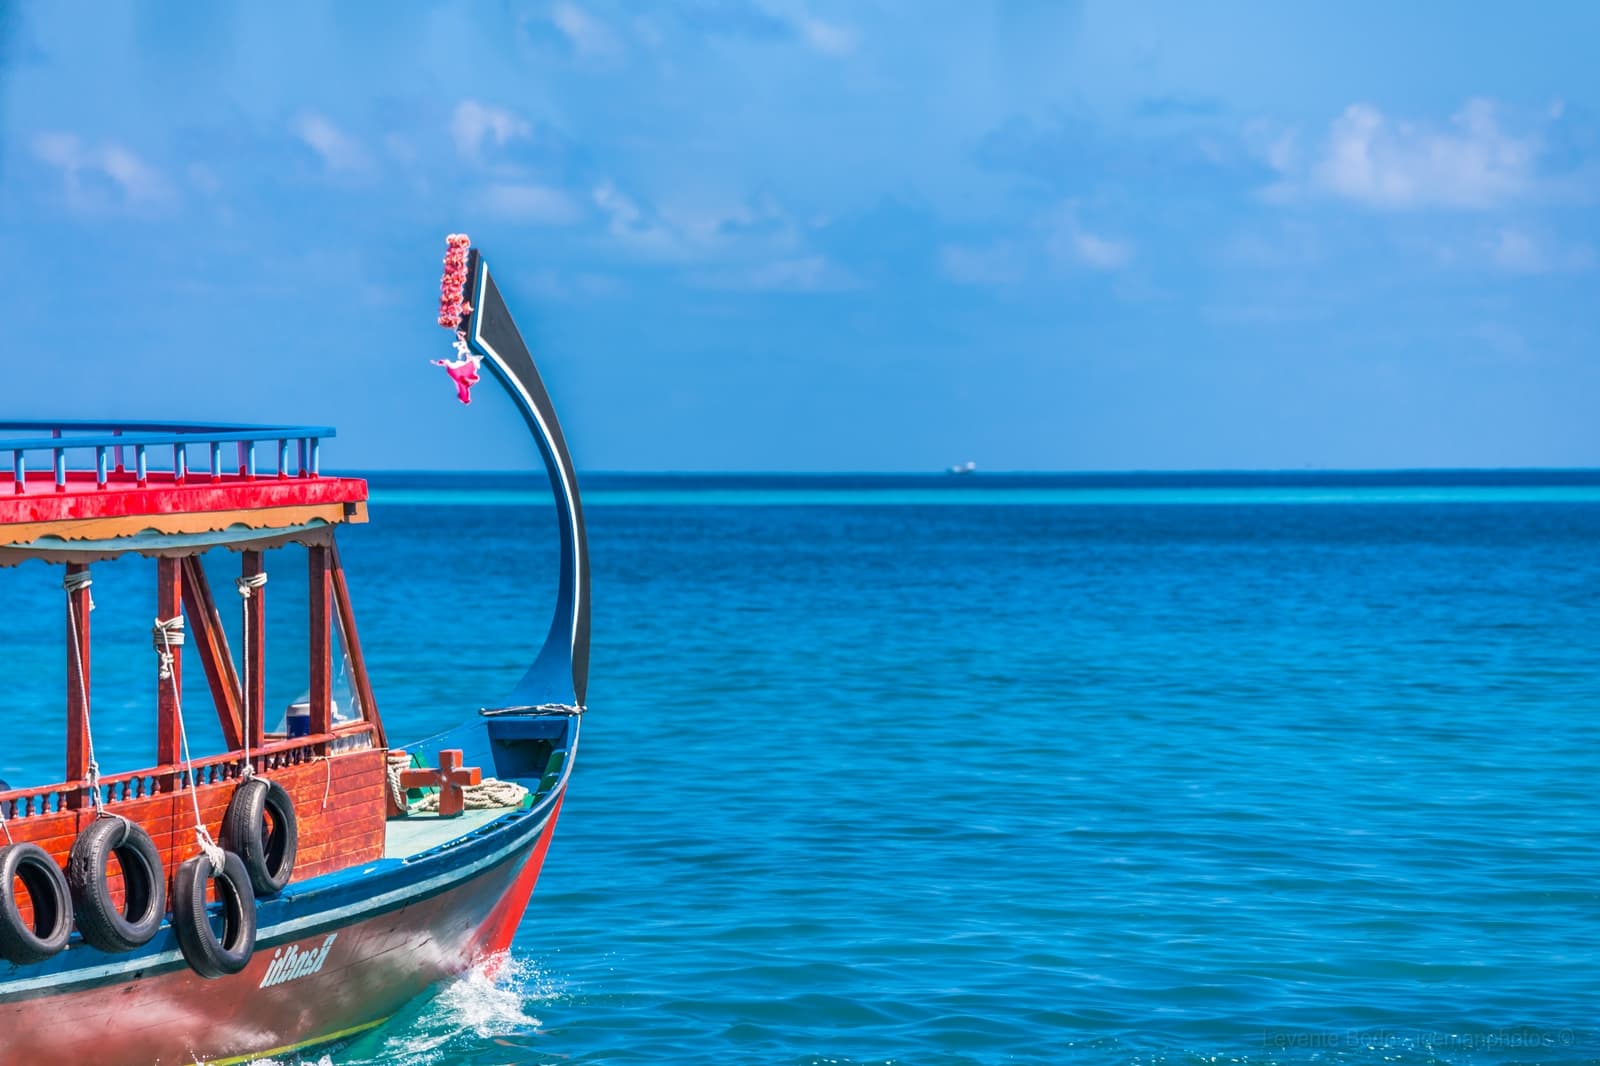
(560, 673)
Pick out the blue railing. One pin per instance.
(112, 442)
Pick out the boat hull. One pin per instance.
(324, 969)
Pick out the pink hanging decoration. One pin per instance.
(463, 370)
(451, 307)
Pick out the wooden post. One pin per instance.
(352, 647)
(255, 649)
(77, 685)
(169, 604)
(210, 642)
(321, 597)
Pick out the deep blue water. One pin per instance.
(1293, 769)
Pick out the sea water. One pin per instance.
(1188, 769)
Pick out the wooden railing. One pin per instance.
(21, 803)
(112, 443)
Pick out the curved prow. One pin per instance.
(560, 673)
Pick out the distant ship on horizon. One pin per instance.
(968, 467)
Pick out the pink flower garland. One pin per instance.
(463, 369)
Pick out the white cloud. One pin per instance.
(1470, 163)
(1055, 243)
(400, 148)
(698, 231)
(101, 177)
(997, 264)
(1069, 243)
(820, 35)
(203, 178)
(628, 224)
(525, 202)
(806, 273)
(827, 37)
(1101, 253)
(1505, 341)
(129, 171)
(1282, 245)
(809, 273)
(1515, 251)
(340, 152)
(472, 122)
(1283, 152)
(617, 204)
(550, 284)
(746, 245)
(590, 38)
(1519, 252)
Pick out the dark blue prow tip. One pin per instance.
(560, 672)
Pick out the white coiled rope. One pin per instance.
(392, 766)
(489, 793)
(165, 636)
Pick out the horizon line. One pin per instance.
(1029, 472)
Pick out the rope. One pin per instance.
(247, 586)
(538, 708)
(489, 793)
(5, 826)
(76, 582)
(392, 766)
(166, 636)
(164, 632)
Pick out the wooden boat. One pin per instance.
(299, 887)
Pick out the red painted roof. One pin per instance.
(122, 495)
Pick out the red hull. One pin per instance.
(351, 978)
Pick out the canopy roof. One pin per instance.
(108, 487)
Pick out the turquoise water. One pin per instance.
(1190, 770)
(992, 490)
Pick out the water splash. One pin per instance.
(486, 1006)
(491, 999)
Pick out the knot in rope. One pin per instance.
(213, 851)
(127, 827)
(249, 583)
(77, 581)
(166, 635)
(91, 778)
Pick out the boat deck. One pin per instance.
(417, 833)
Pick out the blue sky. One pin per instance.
(804, 235)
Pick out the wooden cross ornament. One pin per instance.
(450, 779)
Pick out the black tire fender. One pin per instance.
(102, 923)
(20, 941)
(209, 954)
(260, 827)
